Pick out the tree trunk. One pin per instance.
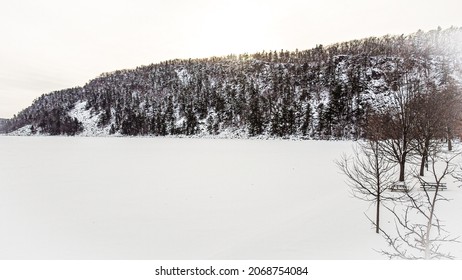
(401, 170)
(379, 183)
(427, 240)
(449, 139)
(422, 166)
(423, 162)
(377, 218)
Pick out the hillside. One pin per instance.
(2, 124)
(321, 93)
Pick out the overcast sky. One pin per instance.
(47, 45)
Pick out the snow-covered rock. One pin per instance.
(88, 120)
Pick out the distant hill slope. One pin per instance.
(321, 93)
(2, 124)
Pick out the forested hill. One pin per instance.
(2, 123)
(322, 93)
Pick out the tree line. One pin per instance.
(327, 92)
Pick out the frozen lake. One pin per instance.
(161, 198)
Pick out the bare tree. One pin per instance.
(369, 174)
(397, 119)
(432, 113)
(420, 234)
(453, 115)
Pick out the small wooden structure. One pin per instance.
(399, 187)
(427, 186)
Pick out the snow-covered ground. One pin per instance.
(167, 198)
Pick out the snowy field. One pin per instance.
(161, 198)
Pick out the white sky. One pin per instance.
(48, 45)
